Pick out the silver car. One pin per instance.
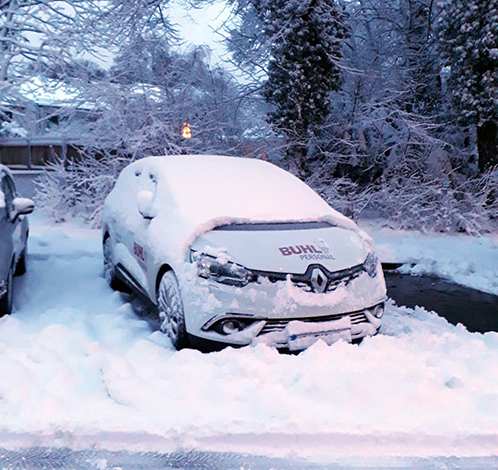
(237, 251)
(13, 237)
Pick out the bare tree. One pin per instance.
(40, 32)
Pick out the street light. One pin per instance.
(186, 132)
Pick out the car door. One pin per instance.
(7, 227)
(20, 229)
(131, 252)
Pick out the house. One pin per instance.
(43, 121)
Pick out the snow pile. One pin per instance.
(81, 369)
(469, 261)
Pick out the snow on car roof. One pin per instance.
(211, 186)
(201, 192)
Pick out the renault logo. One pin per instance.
(318, 281)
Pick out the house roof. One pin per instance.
(47, 92)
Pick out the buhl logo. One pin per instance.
(298, 250)
(306, 252)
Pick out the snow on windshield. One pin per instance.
(200, 192)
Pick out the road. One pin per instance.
(476, 310)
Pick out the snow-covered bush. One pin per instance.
(344, 195)
(12, 128)
(421, 204)
(68, 189)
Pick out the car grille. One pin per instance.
(279, 324)
(333, 284)
(304, 281)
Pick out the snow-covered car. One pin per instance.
(236, 251)
(13, 237)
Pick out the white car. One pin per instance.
(236, 251)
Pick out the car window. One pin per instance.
(9, 191)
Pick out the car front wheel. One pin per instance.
(171, 313)
(7, 295)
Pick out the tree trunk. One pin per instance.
(302, 162)
(487, 145)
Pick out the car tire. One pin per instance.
(110, 269)
(6, 299)
(22, 263)
(171, 313)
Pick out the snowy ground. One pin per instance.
(82, 370)
(469, 261)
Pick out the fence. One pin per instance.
(24, 181)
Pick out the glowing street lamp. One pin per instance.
(186, 132)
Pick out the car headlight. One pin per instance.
(229, 273)
(370, 264)
(231, 324)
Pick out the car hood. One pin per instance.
(288, 250)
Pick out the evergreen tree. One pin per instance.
(418, 59)
(468, 42)
(303, 69)
(385, 119)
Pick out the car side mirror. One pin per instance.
(21, 206)
(145, 204)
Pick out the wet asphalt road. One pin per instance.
(476, 310)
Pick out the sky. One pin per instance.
(195, 27)
(201, 26)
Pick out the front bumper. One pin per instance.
(281, 314)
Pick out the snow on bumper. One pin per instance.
(282, 314)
